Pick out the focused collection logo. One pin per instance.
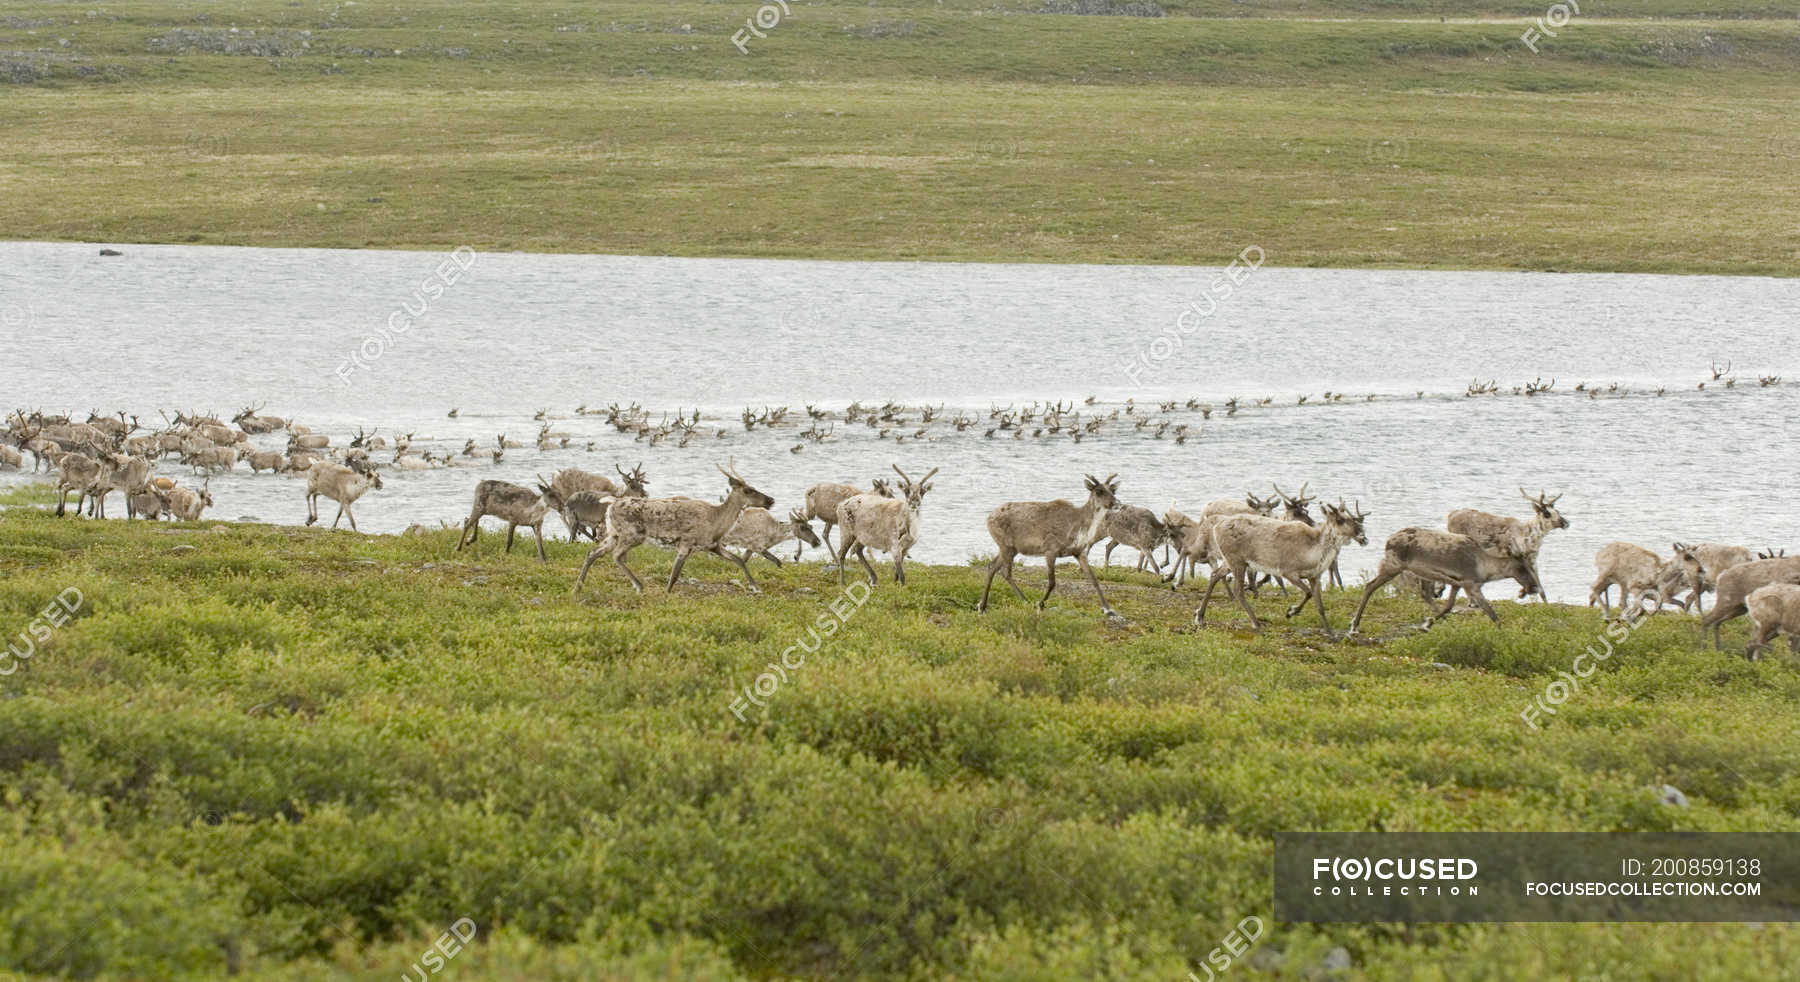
(1524, 877)
(1395, 876)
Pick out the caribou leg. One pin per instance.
(675, 573)
(994, 567)
(1095, 580)
(1382, 576)
(1318, 595)
(1211, 585)
(742, 561)
(1239, 581)
(862, 555)
(1473, 589)
(1007, 571)
(1305, 595)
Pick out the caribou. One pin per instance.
(581, 498)
(1053, 530)
(1640, 574)
(1502, 534)
(1294, 551)
(757, 531)
(820, 503)
(1443, 557)
(684, 523)
(1139, 528)
(1775, 607)
(511, 504)
(341, 484)
(1297, 511)
(888, 524)
(1735, 586)
(185, 505)
(1713, 559)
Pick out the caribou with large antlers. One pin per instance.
(1497, 533)
(687, 524)
(250, 422)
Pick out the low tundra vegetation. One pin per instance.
(301, 754)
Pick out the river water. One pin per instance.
(391, 342)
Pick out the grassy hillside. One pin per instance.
(298, 754)
(1651, 136)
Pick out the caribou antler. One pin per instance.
(1296, 500)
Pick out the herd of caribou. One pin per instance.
(1245, 543)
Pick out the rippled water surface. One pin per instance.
(217, 329)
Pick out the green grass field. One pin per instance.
(1661, 135)
(298, 754)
